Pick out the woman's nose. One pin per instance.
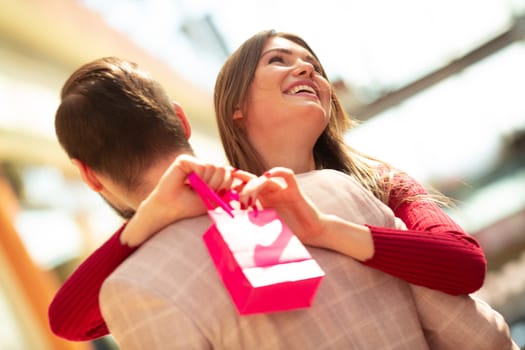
(304, 68)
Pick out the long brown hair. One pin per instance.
(330, 150)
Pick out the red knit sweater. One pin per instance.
(435, 252)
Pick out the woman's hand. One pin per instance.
(173, 199)
(278, 189)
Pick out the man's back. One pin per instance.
(168, 294)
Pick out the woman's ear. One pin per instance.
(88, 175)
(182, 116)
(237, 114)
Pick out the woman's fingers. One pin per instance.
(218, 177)
(258, 187)
(287, 174)
(274, 186)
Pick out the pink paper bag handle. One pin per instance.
(208, 196)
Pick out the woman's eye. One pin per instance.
(317, 68)
(276, 59)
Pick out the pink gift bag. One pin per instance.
(263, 265)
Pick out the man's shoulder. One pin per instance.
(337, 193)
(180, 242)
(170, 280)
(331, 182)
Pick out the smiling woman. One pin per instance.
(271, 70)
(263, 126)
(287, 76)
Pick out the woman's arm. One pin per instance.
(434, 252)
(74, 313)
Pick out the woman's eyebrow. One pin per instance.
(308, 57)
(278, 49)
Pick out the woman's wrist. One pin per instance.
(149, 218)
(346, 237)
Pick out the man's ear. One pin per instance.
(182, 116)
(88, 175)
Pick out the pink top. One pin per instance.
(435, 252)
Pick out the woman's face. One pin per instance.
(288, 97)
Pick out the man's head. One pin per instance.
(117, 124)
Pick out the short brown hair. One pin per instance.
(116, 119)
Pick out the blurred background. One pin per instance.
(437, 85)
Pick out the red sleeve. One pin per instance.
(74, 313)
(435, 252)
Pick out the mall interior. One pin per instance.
(437, 88)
